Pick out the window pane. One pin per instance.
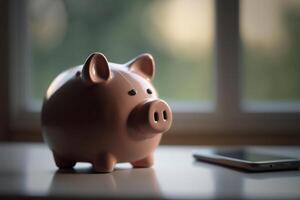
(270, 31)
(179, 34)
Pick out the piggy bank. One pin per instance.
(105, 113)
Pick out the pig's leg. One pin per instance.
(145, 162)
(104, 163)
(62, 162)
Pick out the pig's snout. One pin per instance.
(152, 117)
(159, 116)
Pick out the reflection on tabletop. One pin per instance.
(29, 170)
(143, 182)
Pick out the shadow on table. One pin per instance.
(233, 183)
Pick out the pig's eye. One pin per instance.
(132, 92)
(77, 74)
(149, 91)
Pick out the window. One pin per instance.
(271, 65)
(178, 33)
(224, 66)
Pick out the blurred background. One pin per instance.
(178, 34)
(41, 38)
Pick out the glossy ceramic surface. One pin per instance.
(105, 113)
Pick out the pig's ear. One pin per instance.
(144, 65)
(96, 69)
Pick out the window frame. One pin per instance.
(4, 79)
(227, 116)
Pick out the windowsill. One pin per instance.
(197, 138)
(271, 107)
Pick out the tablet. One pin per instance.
(247, 159)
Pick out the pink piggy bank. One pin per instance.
(105, 113)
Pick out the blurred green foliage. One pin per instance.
(275, 76)
(117, 29)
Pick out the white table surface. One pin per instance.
(28, 170)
